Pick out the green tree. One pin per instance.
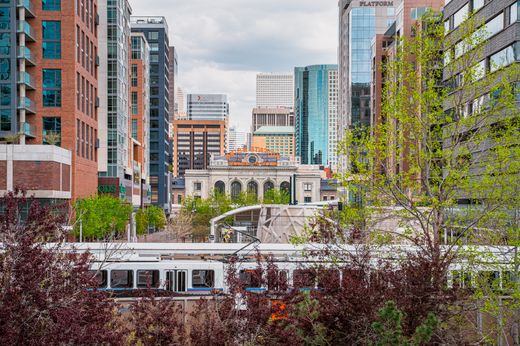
(448, 132)
(150, 217)
(388, 329)
(276, 196)
(101, 217)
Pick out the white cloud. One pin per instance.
(223, 44)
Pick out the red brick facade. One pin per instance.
(78, 111)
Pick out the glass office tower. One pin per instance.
(312, 111)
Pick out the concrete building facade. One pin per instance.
(237, 139)
(156, 32)
(276, 139)
(275, 90)
(195, 141)
(255, 172)
(271, 116)
(207, 107)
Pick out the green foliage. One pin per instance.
(150, 217)
(276, 196)
(388, 330)
(101, 216)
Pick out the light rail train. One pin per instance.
(200, 269)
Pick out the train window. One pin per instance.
(203, 278)
(277, 280)
(461, 279)
(304, 278)
(180, 284)
(250, 278)
(100, 278)
(122, 278)
(148, 278)
(328, 278)
(489, 279)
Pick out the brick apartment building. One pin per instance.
(49, 96)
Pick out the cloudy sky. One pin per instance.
(223, 44)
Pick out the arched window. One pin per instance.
(252, 187)
(236, 189)
(268, 185)
(220, 187)
(285, 186)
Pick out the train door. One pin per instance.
(176, 280)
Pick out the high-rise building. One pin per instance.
(172, 82)
(156, 32)
(358, 25)
(180, 98)
(207, 107)
(272, 116)
(194, 143)
(274, 90)
(48, 89)
(384, 50)
(276, 139)
(237, 139)
(115, 163)
(140, 115)
(315, 113)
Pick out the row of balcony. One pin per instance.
(27, 104)
(25, 53)
(26, 4)
(24, 27)
(26, 79)
(27, 130)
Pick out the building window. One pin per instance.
(51, 88)
(252, 188)
(153, 35)
(134, 129)
(5, 119)
(307, 187)
(5, 69)
(51, 34)
(513, 12)
(51, 5)
(220, 187)
(460, 16)
(494, 26)
(5, 18)
(236, 189)
(5, 95)
(476, 5)
(417, 12)
(503, 58)
(268, 185)
(5, 43)
(51, 130)
(307, 199)
(197, 186)
(134, 75)
(134, 103)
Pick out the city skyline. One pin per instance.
(221, 52)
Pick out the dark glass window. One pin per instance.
(134, 129)
(148, 278)
(5, 119)
(5, 69)
(51, 88)
(52, 130)
(5, 18)
(51, 5)
(5, 95)
(5, 43)
(51, 33)
(122, 278)
(203, 278)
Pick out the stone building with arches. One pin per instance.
(255, 171)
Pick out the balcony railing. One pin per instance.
(27, 130)
(25, 53)
(24, 27)
(25, 78)
(27, 104)
(29, 11)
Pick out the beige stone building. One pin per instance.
(277, 139)
(255, 172)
